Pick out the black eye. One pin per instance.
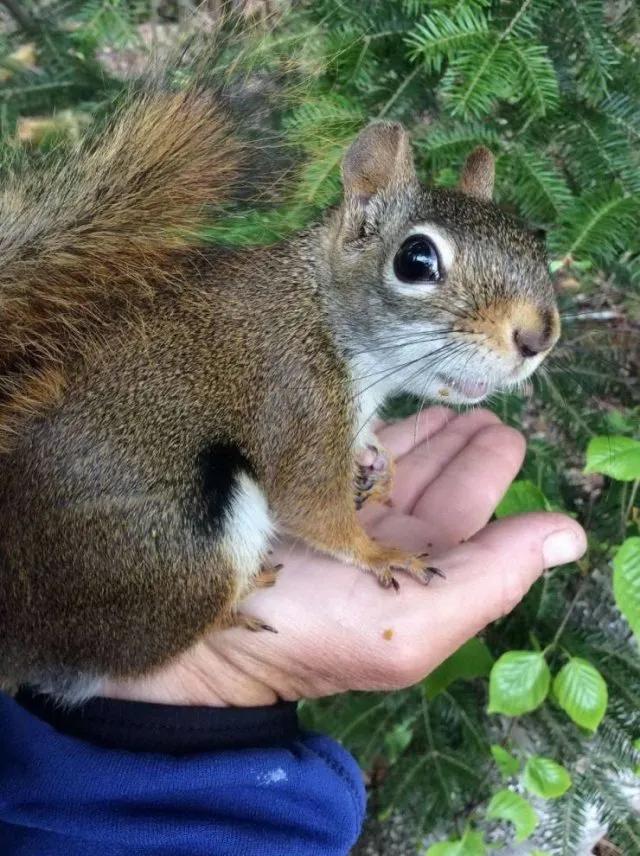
(417, 260)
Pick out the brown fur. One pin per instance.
(199, 369)
(110, 228)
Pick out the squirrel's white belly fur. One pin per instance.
(248, 531)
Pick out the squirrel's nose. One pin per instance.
(531, 342)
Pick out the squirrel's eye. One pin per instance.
(417, 260)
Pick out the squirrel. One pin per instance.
(168, 406)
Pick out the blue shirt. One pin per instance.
(288, 794)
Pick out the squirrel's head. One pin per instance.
(444, 294)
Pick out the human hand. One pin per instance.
(337, 629)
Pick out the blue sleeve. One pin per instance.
(297, 795)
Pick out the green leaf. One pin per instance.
(522, 496)
(397, 739)
(471, 844)
(620, 421)
(472, 660)
(618, 457)
(507, 763)
(545, 778)
(626, 582)
(581, 692)
(519, 683)
(507, 805)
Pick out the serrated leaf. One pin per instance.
(519, 682)
(545, 778)
(471, 844)
(626, 582)
(507, 805)
(617, 457)
(507, 763)
(522, 496)
(581, 692)
(472, 660)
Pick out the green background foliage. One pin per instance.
(519, 733)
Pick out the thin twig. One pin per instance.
(564, 621)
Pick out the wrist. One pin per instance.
(201, 676)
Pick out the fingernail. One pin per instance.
(561, 547)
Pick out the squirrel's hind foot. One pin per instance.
(398, 561)
(374, 475)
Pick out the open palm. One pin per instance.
(337, 629)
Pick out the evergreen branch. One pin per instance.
(21, 16)
(398, 92)
(539, 81)
(445, 145)
(596, 148)
(472, 727)
(433, 751)
(539, 189)
(595, 68)
(493, 76)
(620, 109)
(490, 56)
(441, 35)
(597, 224)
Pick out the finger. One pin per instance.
(400, 437)
(485, 579)
(489, 575)
(462, 498)
(424, 463)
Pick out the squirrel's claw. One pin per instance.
(406, 563)
(267, 576)
(250, 622)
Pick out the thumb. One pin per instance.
(495, 569)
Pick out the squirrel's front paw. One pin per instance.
(374, 475)
(391, 561)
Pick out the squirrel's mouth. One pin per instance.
(471, 389)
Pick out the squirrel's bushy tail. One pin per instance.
(88, 237)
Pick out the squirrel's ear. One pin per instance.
(478, 174)
(378, 159)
